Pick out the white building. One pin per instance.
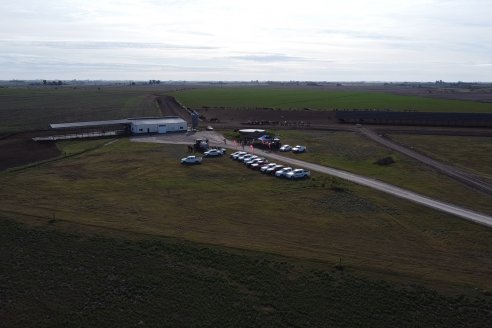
(157, 125)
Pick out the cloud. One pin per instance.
(92, 45)
(363, 35)
(268, 58)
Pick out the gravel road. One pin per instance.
(217, 139)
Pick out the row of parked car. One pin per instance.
(295, 149)
(214, 152)
(261, 164)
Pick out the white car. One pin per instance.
(249, 158)
(236, 154)
(242, 157)
(266, 167)
(282, 173)
(299, 149)
(285, 148)
(259, 164)
(253, 160)
(213, 153)
(240, 154)
(274, 169)
(191, 160)
(298, 174)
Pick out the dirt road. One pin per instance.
(451, 171)
(217, 139)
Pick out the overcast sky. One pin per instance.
(343, 40)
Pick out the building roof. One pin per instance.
(167, 120)
(251, 131)
(136, 120)
(87, 124)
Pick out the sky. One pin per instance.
(243, 40)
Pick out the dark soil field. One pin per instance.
(19, 149)
(291, 118)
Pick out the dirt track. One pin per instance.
(170, 107)
(451, 171)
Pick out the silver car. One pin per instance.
(282, 173)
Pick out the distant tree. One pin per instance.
(44, 82)
(59, 83)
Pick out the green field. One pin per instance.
(35, 108)
(352, 152)
(320, 99)
(50, 278)
(473, 154)
(141, 188)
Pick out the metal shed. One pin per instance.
(157, 125)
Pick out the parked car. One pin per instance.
(252, 161)
(249, 158)
(213, 153)
(282, 173)
(236, 154)
(299, 149)
(209, 128)
(258, 165)
(266, 167)
(192, 159)
(298, 174)
(242, 157)
(274, 169)
(285, 148)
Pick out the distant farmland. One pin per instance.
(34, 108)
(321, 99)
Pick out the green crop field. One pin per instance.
(321, 99)
(142, 188)
(469, 153)
(50, 278)
(35, 108)
(352, 152)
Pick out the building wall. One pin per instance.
(144, 128)
(154, 128)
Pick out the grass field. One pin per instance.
(472, 154)
(321, 99)
(142, 188)
(35, 108)
(352, 152)
(50, 278)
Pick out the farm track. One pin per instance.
(168, 106)
(451, 171)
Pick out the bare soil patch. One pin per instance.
(170, 107)
(237, 117)
(20, 149)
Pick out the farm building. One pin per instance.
(139, 125)
(157, 125)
